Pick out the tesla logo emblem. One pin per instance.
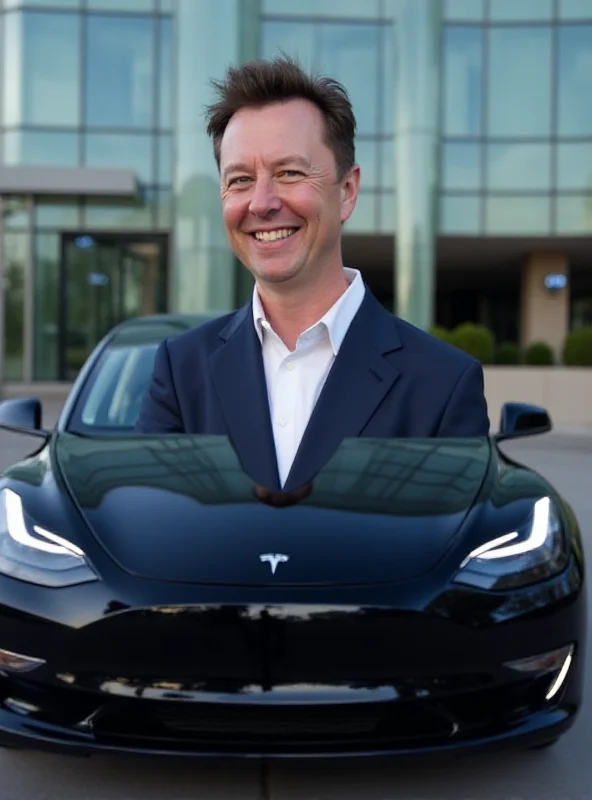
(273, 560)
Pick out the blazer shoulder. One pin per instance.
(205, 336)
(429, 347)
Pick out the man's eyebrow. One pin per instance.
(282, 162)
(240, 166)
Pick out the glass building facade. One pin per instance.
(474, 139)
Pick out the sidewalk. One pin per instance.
(56, 392)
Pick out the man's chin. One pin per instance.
(275, 275)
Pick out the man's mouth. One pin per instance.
(273, 236)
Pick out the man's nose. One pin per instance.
(264, 198)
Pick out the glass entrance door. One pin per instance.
(105, 280)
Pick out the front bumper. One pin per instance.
(495, 718)
(292, 673)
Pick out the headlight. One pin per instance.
(30, 553)
(536, 551)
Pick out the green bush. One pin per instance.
(440, 333)
(508, 353)
(539, 354)
(577, 350)
(477, 340)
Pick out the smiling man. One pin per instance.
(313, 358)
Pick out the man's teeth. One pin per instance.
(272, 236)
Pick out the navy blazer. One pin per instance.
(389, 379)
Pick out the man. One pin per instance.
(313, 358)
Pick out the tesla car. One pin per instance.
(416, 596)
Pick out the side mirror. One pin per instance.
(22, 415)
(521, 419)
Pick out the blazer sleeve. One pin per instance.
(466, 411)
(159, 412)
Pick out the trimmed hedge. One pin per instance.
(479, 342)
(508, 353)
(577, 350)
(476, 340)
(539, 354)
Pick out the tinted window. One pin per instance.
(110, 399)
(117, 387)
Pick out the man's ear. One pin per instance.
(350, 186)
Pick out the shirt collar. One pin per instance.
(336, 320)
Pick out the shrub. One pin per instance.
(440, 333)
(508, 353)
(477, 340)
(539, 354)
(577, 350)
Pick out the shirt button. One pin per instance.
(282, 421)
(289, 366)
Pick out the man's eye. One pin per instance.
(241, 179)
(290, 173)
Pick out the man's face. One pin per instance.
(282, 203)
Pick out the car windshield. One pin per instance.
(112, 397)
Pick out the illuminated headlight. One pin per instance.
(15, 662)
(538, 550)
(556, 664)
(33, 554)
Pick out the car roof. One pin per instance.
(154, 328)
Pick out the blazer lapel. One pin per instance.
(357, 382)
(239, 378)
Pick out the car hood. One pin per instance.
(180, 508)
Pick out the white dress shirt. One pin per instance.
(295, 379)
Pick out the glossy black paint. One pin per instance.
(522, 419)
(360, 643)
(22, 414)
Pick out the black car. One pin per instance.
(416, 596)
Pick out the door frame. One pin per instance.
(106, 237)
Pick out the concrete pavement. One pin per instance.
(561, 773)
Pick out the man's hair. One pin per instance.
(261, 83)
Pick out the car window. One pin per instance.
(117, 385)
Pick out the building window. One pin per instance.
(518, 167)
(574, 166)
(41, 147)
(463, 78)
(522, 10)
(461, 166)
(460, 214)
(463, 9)
(115, 150)
(42, 69)
(574, 214)
(575, 68)
(15, 288)
(522, 216)
(323, 8)
(47, 282)
(519, 81)
(575, 9)
(119, 71)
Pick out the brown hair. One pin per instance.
(259, 83)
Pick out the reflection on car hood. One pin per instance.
(180, 508)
